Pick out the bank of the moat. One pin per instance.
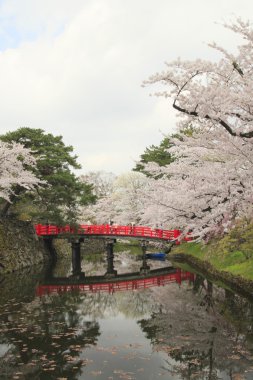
(239, 284)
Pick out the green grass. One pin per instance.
(194, 249)
(234, 262)
(225, 260)
(244, 269)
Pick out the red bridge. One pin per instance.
(109, 231)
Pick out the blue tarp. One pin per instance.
(156, 255)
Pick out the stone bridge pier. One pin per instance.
(76, 258)
(109, 246)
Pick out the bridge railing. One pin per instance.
(85, 229)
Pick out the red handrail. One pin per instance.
(105, 229)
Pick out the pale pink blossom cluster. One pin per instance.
(14, 163)
(123, 204)
(214, 93)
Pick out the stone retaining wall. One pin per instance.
(19, 246)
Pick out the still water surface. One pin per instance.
(191, 331)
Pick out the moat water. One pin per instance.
(192, 330)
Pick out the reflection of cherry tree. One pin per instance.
(136, 304)
(47, 337)
(131, 304)
(199, 342)
(96, 304)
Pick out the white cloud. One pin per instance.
(75, 68)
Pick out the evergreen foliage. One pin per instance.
(158, 154)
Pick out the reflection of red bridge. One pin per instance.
(116, 284)
(109, 231)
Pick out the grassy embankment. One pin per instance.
(233, 253)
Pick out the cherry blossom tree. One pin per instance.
(123, 204)
(206, 188)
(58, 202)
(14, 173)
(127, 196)
(101, 181)
(209, 184)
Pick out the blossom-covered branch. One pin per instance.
(217, 94)
(14, 163)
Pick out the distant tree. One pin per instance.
(127, 197)
(15, 175)
(102, 184)
(101, 181)
(58, 201)
(123, 204)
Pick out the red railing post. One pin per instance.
(177, 233)
(38, 229)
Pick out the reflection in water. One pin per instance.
(199, 342)
(175, 331)
(45, 338)
(130, 281)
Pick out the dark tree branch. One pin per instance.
(247, 135)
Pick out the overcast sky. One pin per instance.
(75, 67)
